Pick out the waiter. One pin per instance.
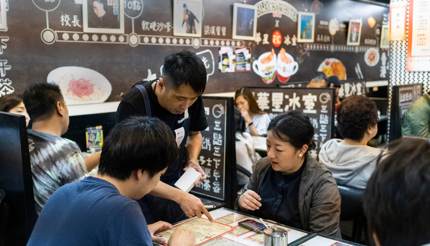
(175, 98)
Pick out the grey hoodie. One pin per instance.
(351, 165)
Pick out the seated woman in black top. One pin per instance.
(289, 186)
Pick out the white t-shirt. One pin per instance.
(261, 122)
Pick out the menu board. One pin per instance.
(216, 159)
(403, 97)
(317, 104)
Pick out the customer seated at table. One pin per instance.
(55, 161)
(14, 104)
(397, 197)
(289, 186)
(256, 121)
(103, 210)
(350, 160)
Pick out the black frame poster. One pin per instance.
(217, 157)
(402, 98)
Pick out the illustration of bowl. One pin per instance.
(80, 85)
(371, 57)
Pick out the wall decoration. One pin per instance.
(103, 16)
(384, 37)
(354, 32)
(419, 36)
(371, 57)
(265, 66)
(80, 85)
(331, 67)
(397, 21)
(306, 27)
(187, 18)
(226, 57)
(3, 16)
(244, 21)
(242, 60)
(285, 66)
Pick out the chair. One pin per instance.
(18, 206)
(352, 210)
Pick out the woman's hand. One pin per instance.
(250, 200)
(246, 116)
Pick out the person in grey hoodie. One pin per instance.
(350, 160)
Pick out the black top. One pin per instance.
(193, 119)
(280, 197)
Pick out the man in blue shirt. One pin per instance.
(102, 210)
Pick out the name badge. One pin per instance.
(180, 135)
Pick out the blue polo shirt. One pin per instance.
(90, 212)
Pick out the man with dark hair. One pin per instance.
(55, 161)
(350, 160)
(416, 121)
(102, 210)
(397, 198)
(174, 98)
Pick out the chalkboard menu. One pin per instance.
(403, 97)
(317, 104)
(217, 156)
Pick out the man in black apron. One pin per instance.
(175, 98)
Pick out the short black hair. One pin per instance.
(137, 143)
(9, 102)
(185, 68)
(293, 127)
(41, 100)
(397, 197)
(356, 114)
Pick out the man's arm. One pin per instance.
(195, 141)
(190, 204)
(93, 160)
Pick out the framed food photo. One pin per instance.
(306, 27)
(187, 18)
(244, 21)
(103, 16)
(354, 32)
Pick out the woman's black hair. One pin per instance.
(293, 127)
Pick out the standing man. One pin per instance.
(174, 98)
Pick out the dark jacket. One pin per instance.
(319, 199)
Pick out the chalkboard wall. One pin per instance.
(41, 36)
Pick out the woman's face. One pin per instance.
(241, 103)
(284, 157)
(20, 109)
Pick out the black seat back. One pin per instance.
(352, 202)
(16, 179)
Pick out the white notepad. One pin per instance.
(187, 180)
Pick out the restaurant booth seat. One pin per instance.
(352, 210)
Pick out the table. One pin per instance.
(226, 231)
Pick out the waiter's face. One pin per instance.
(176, 100)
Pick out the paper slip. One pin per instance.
(187, 180)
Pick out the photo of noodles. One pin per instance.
(80, 85)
